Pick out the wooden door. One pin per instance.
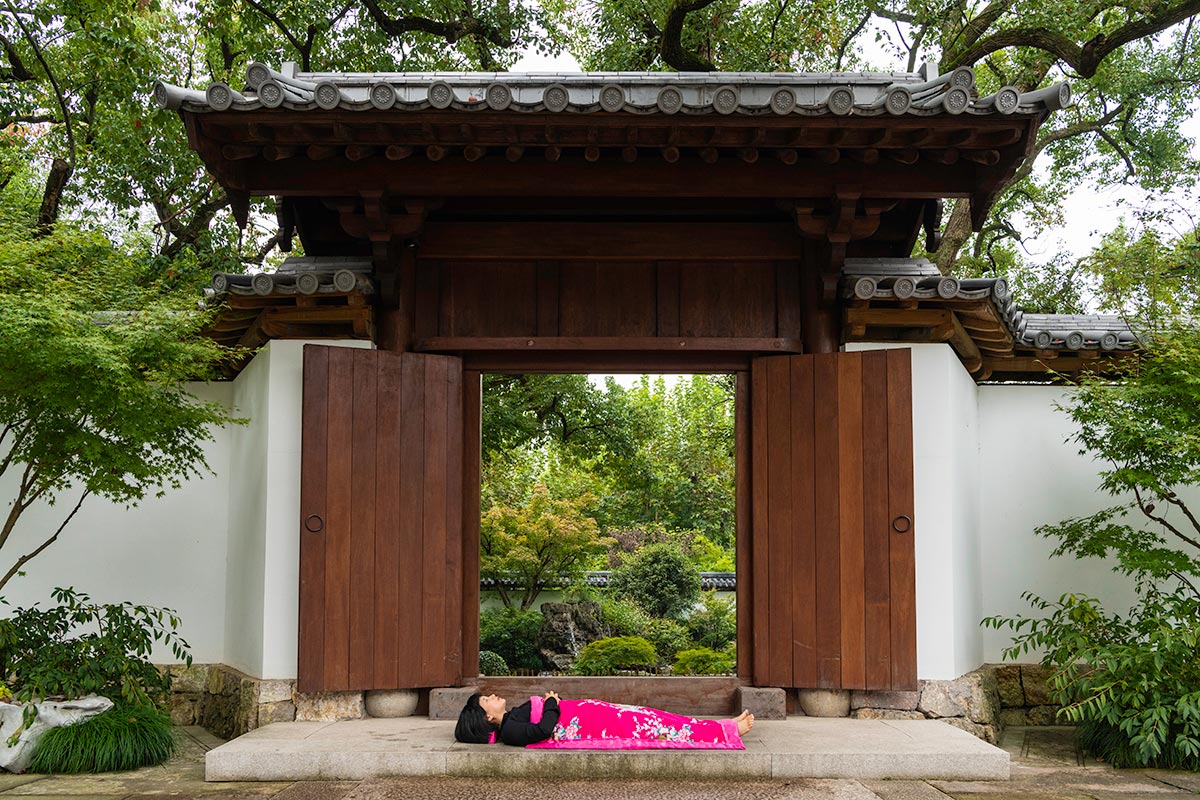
(381, 501)
(832, 521)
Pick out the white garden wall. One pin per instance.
(991, 464)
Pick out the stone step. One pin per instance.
(799, 747)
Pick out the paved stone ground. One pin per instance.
(1045, 766)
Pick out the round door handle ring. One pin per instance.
(314, 524)
(902, 524)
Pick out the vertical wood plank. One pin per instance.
(427, 308)
(803, 572)
(850, 486)
(761, 537)
(338, 502)
(827, 508)
(472, 443)
(310, 673)
(362, 521)
(877, 606)
(743, 533)
(547, 298)
(411, 579)
(668, 298)
(434, 533)
(900, 503)
(452, 668)
(388, 599)
(787, 299)
(779, 518)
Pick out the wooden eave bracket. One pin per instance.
(371, 217)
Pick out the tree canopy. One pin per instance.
(75, 76)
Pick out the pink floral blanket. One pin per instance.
(596, 725)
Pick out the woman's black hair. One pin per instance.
(473, 726)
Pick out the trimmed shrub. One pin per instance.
(714, 623)
(606, 656)
(668, 638)
(123, 738)
(705, 661)
(623, 616)
(492, 664)
(512, 634)
(660, 579)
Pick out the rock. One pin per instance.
(223, 681)
(219, 715)
(562, 663)
(281, 711)
(762, 702)
(824, 702)
(985, 732)
(974, 696)
(275, 691)
(1034, 680)
(1013, 717)
(50, 714)
(901, 701)
(447, 702)
(184, 708)
(391, 702)
(329, 705)
(885, 713)
(1008, 681)
(188, 679)
(1045, 715)
(567, 627)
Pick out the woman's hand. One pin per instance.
(548, 695)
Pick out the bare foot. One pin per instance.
(745, 721)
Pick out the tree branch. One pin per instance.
(1121, 150)
(841, 51)
(1085, 59)
(1174, 500)
(670, 46)
(16, 71)
(29, 556)
(1149, 512)
(450, 31)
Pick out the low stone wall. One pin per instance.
(227, 702)
(982, 702)
(230, 703)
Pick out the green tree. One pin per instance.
(1130, 681)
(660, 579)
(92, 371)
(546, 542)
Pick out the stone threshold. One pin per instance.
(801, 747)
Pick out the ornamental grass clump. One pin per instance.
(123, 738)
(1131, 683)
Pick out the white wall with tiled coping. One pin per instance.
(991, 463)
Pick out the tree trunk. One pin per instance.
(56, 181)
(958, 230)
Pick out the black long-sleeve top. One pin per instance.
(517, 730)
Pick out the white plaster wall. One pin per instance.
(945, 481)
(167, 551)
(263, 597)
(1032, 475)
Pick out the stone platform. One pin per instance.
(799, 747)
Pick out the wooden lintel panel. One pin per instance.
(608, 343)
(599, 240)
(899, 317)
(575, 177)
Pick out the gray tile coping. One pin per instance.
(800, 747)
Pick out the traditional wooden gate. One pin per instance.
(832, 571)
(381, 499)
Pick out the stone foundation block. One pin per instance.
(900, 701)
(763, 703)
(986, 732)
(1044, 715)
(1034, 679)
(1013, 716)
(885, 713)
(329, 705)
(185, 708)
(391, 703)
(276, 691)
(281, 711)
(1008, 682)
(824, 702)
(188, 679)
(974, 696)
(446, 703)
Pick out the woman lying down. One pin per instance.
(549, 722)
